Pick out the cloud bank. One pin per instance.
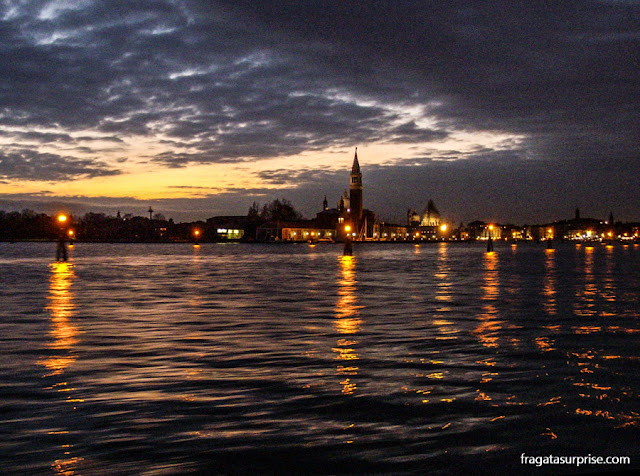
(241, 82)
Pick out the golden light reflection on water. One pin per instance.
(587, 292)
(347, 323)
(443, 275)
(609, 284)
(549, 293)
(549, 285)
(444, 294)
(61, 306)
(67, 467)
(65, 337)
(487, 330)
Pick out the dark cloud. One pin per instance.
(240, 80)
(31, 165)
(503, 186)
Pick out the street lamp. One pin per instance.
(61, 251)
(348, 247)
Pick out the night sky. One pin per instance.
(513, 111)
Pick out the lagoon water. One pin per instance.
(235, 358)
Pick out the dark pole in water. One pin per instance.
(549, 244)
(489, 245)
(348, 247)
(61, 252)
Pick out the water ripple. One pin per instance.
(163, 359)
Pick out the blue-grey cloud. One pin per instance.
(240, 80)
(31, 165)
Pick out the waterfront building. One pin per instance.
(227, 228)
(350, 219)
(479, 230)
(515, 233)
(413, 218)
(391, 232)
(344, 203)
(426, 226)
(430, 216)
(298, 230)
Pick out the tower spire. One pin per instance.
(355, 169)
(355, 192)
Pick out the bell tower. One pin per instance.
(355, 192)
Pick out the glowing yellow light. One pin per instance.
(347, 228)
(71, 233)
(196, 232)
(62, 218)
(443, 228)
(491, 227)
(610, 234)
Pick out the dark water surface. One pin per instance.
(160, 359)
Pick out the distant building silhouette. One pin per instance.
(430, 216)
(355, 193)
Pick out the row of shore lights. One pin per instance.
(62, 220)
(443, 229)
